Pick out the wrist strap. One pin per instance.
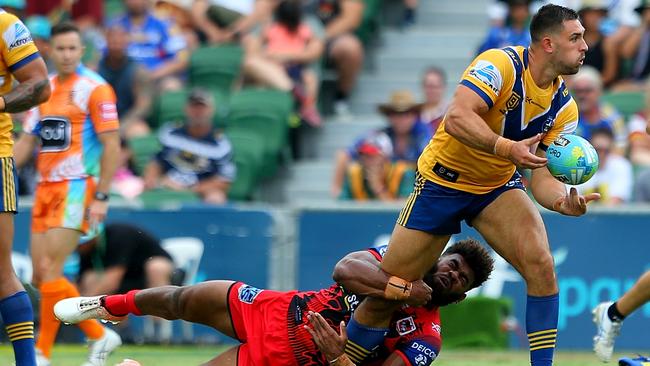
(502, 147)
(397, 289)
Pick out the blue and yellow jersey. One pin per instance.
(16, 50)
(519, 109)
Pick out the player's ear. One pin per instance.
(547, 44)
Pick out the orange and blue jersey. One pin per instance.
(17, 49)
(80, 108)
(518, 109)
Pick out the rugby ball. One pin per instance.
(572, 159)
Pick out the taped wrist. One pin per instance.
(503, 146)
(397, 289)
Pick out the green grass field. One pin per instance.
(71, 355)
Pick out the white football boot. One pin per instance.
(607, 331)
(76, 309)
(100, 349)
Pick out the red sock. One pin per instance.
(121, 305)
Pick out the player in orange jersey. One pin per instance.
(20, 61)
(79, 145)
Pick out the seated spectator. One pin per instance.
(83, 12)
(514, 32)
(638, 139)
(410, 11)
(602, 54)
(125, 182)
(154, 43)
(587, 88)
(614, 178)
(281, 56)
(130, 81)
(341, 18)
(194, 157)
(636, 47)
(40, 28)
(408, 136)
(120, 258)
(178, 13)
(374, 176)
(434, 85)
(223, 21)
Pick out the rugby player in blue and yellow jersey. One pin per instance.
(510, 105)
(19, 60)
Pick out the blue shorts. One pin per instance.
(9, 183)
(439, 210)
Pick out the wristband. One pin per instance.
(397, 289)
(342, 360)
(502, 147)
(100, 196)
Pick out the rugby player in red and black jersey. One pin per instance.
(272, 326)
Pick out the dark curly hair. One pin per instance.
(477, 258)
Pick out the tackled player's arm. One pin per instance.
(33, 88)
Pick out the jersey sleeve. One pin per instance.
(419, 351)
(18, 48)
(103, 110)
(378, 251)
(489, 74)
(565, 123)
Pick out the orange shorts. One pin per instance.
(63, 205)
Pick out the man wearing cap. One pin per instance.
(194, 157)
(407, 135)
(374, 176)
(76, 133)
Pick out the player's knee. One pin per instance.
(540, 269)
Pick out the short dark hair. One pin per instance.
(477, 258)
(550, 18)
(64, 27)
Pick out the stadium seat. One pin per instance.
(168, 107)
(266, 113)
(143, 148)
(476, 322)
(628, 103)
(161, 197)
(248, 149)
(216, 68)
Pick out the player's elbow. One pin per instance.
(342, 271)
(453, 120)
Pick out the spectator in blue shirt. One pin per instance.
(408, 136)
(194, 157)
(515, 30)
(154, 43)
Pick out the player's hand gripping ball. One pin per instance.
(572, 159)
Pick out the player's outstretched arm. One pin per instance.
(552, 194)
(34, 88)
(359, 273)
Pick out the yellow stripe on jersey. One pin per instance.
(518, 109)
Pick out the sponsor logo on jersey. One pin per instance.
(108, 111)
(425, 353)
(55, 133)
(488, 74)
(561, 141)
(436, 328)
(513, 101)
(247, 294)
(405, 326)
(16, 35)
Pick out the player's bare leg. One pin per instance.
(419, 250)
(228, 358)
(609, 316)
(15, 306)
(513, 226)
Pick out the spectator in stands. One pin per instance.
(228, 20)
(40, 28)
(179, 13)
(602, 53)
(587, 88)
(125, 182)
(638, 139)
(341, 18)
(15, 7)
(154, 43)
(514, 32)
(373, 175)
(194, 157)
(120, 258)
(281, 55)
(130, 81)
(410, 11)
(637, 48)
(434, 85)
(614, 178)
(408, 136)
(83, 12)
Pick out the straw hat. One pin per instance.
(400, 101)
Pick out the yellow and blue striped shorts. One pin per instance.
(8, 194)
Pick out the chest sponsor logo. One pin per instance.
(426, 355)
(405, 326)
(247, 294)
(55, 134)
(488, 74)
(16, 35)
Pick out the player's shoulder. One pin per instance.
(7, 19)
(14, 32)
(90, 76)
